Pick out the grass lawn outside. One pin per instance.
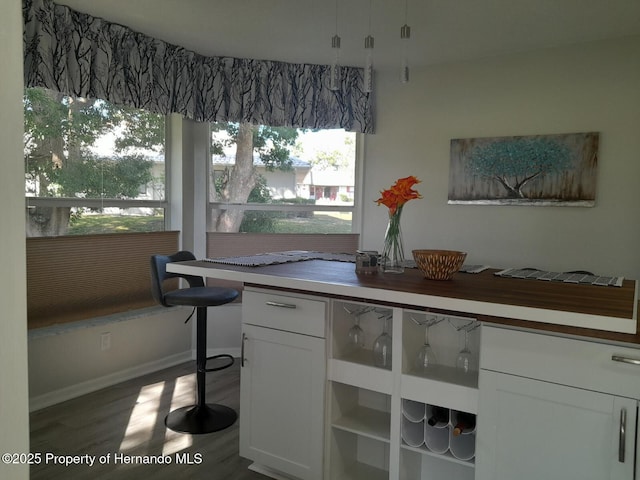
(332, 222)
(92, 224)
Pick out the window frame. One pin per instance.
(355, 209)
(95, 203)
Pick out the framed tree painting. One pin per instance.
(525, 170)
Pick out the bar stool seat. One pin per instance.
(202, 417)
(200, 296)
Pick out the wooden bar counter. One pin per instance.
(605, 312)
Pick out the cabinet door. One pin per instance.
(282, 401)
(532, 430)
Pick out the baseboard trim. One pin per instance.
(256, 467)
(82, 388)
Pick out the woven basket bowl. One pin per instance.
(439, 264)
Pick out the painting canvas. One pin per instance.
(525, 170)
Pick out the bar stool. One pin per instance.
(201, 417)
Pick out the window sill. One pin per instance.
(64, 328)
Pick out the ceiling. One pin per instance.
(300, 31)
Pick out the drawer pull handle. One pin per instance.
(281, 305)
(621, 439)
(632, 361)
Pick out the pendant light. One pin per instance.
(405, 35)
(335, 74)
(368, 59)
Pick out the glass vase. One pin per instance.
(393, 251)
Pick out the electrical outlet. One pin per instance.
(105, 341)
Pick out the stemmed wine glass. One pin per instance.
(426, 356)
(382, 345)
(356, 334)
(464, 359)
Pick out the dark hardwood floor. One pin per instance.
(126, 421)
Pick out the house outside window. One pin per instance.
(281, 180)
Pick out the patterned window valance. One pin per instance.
(77, 54)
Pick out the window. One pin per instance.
(95, 199)
(91, 166)
(281, 180)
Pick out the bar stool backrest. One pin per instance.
(159, 274)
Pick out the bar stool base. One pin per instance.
(201, 419)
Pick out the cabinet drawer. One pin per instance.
(290, 313)
(567, 361)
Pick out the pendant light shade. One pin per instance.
(368, 63)
(405, 35)
(334, 80)
(335, 75)
(368, 57)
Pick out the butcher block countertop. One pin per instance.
(605, 312)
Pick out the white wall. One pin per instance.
(68, 361)
(14, 419)
(64, 364)
(594, 87)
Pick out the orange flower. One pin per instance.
(399, 194)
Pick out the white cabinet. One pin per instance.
(548, 409)
(533, 406)
(532, 430)
(282, 384)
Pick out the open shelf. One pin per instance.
(447, 374)
(371, 320)
(359, 433)
(361, 376)
(443, 393)
(359, 356)
(362, 440)
(443, 382)
(362, 471)
(367, 422)
(358, 457)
